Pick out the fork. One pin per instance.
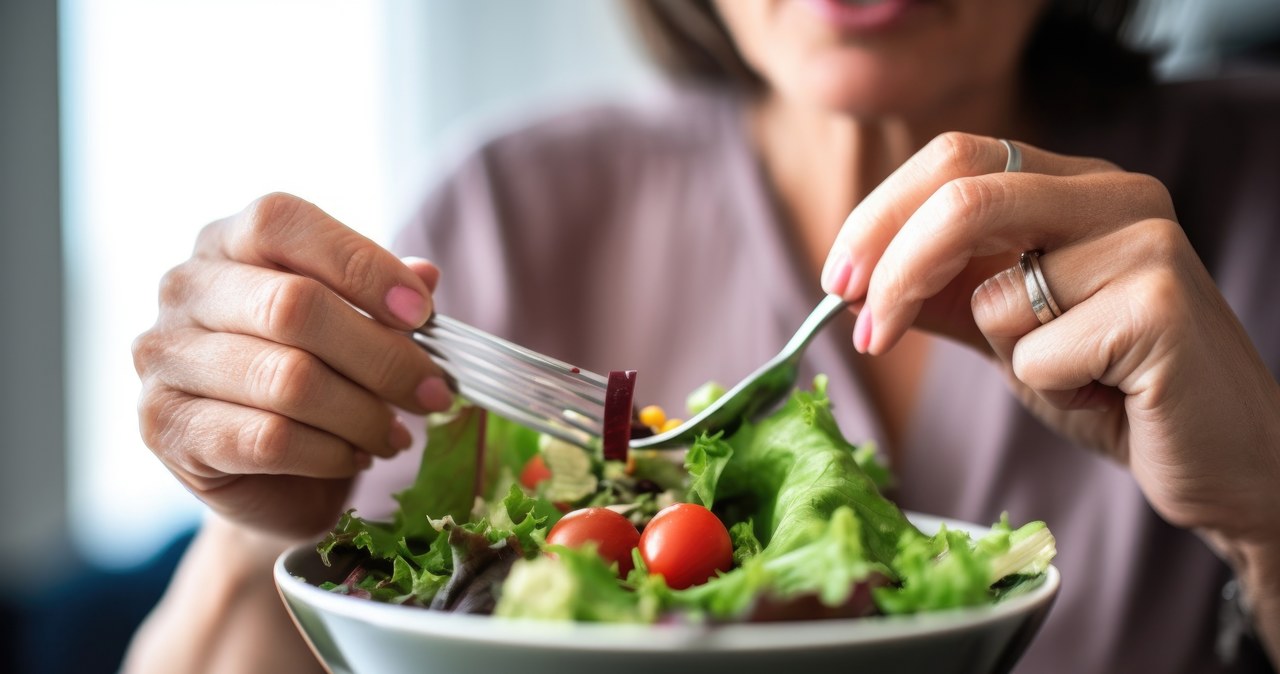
(568, 402)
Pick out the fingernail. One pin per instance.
(862, 331)
(407, 305)
(835, 275)
(434, 394)
(400, 438)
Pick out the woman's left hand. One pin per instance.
(1147, 362)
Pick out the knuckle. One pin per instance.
(1164, 241)
(268, 217)
(1151, 192)
(161, 417)
(955, 151)
(147, 348)
(267, 442)
(360, 268)
(287, 378)
(175, 286)
(288, 306)
(1158, 297)
(969, 201)
(388, 372)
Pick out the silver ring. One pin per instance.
(1042, 303)
(1014, 163)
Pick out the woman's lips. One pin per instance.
(860, 16)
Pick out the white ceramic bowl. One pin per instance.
(365, 637)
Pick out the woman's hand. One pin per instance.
(1147, 361)
(265, 389)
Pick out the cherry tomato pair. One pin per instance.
(685, 543)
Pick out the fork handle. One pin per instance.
(821, 314)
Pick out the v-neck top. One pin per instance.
(643, 234)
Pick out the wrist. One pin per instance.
(240, 552)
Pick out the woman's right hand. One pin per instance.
(265, 390)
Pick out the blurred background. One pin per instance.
(126, 125)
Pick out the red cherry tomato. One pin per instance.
(535, 471)
(614, 536)
(687, 544)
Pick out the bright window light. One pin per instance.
(176, 113)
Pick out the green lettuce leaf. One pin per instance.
(951, 570)
(794, 468)
(705, 461)
(447, 478)
(576, 584)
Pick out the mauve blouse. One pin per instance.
(644, 235)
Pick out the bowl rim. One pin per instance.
(529, 633)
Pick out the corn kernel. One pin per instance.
(631, 464)
(670, 424)
(653, 416)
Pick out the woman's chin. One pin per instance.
(869, 94)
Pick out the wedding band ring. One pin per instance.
(1042, 302)
(1014, 163)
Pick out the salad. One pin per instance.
(783, 519)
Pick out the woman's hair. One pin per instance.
(1076, 43)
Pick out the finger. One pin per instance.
(1086, 358)
(286, 232)
(876, 220)
(990, 215)
(256, 373)
(209, 440)
(428, 272)
(1001, 306)
(300, 312)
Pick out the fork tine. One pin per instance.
(550, 390)
(537, 422)
(544, 395)
(541, 392)
(583, 421)
(521, 353)
(501, 364)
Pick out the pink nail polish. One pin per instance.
(407, 305)
(862, 331)
(835, 275)
(434, 395)
(400, 438)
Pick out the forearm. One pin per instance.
(221, 612)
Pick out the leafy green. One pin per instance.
(812, 534)
(828, 561)
(508, 446)
(704, 462)
(867, 457)
(794, 468)
(410, 561)
(745, 543)
(702, 397)
(576, 584)
(951, 570)
(447, 478)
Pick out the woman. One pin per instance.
(688, 235)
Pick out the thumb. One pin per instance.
(425, 269)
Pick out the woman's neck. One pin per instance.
(821, 164)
